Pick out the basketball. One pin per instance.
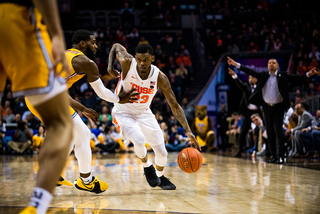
(190, 160)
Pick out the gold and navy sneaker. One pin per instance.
(29, 210)
(64, 182)
(95, 186)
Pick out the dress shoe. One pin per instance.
(238, 155)
(280, 160)
(272, 160)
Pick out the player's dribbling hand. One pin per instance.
(194, 142)
(58, 52)
(92, 114)
(128, 97)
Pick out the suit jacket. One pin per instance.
(283, 79)
(304, 121)
(246, 89)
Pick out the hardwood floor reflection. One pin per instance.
(222, 185)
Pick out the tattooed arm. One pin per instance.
(120, 53)
(176, 109)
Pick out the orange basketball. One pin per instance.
(190, 160)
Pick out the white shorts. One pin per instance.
(145, 121)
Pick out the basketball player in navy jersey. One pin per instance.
(135, 121)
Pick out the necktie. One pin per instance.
(260, 141)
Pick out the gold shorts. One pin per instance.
(25, 51)
(35, 112)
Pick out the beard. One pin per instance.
(90, 54)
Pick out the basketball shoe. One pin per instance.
(151, 176)
(29, 210)
(95, 185)
(64, 182)
(166, 184)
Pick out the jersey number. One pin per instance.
(142, 99)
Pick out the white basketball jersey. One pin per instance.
(147, 89)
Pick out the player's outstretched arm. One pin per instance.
(120, 53)
(83, 65)
(176, 109)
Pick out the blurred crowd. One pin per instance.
(267, 31)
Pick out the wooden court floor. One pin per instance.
(222, 185)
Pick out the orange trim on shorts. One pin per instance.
(115, 122)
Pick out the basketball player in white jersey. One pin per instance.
(135, 121)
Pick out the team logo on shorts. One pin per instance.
(152, 84)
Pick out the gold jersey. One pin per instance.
(74, 76)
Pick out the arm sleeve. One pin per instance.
(103, 92)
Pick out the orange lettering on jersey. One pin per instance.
(150, 91)
(142, 90)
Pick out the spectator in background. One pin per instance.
(164, 128)
(143, 40)
(314, 53)
(6, 104)
(159, 14)
(183, 73)
(188, 109)
(105, 110)
(260, 133)
(9, 117)
(37, 139)
(127, 16)
(108, 143)
(305, 120)
(222, 126)
(33, 122)
(186, 61)
(21, 138)
(2, 125)
(234, 123)
(310, 139)
(313, 63)
(20, 106)
(176, 142)
(302, 68)
(17, 118)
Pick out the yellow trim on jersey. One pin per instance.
(74, 76)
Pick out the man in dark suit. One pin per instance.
(246, 109)
(272, 94)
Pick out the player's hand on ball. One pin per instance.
(194, 142)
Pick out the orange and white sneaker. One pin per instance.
(29, 210)
(95, 186)
(64, 182)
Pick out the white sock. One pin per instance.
(159, 173)
(40, 199)
(147, 164)
(87, 180)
